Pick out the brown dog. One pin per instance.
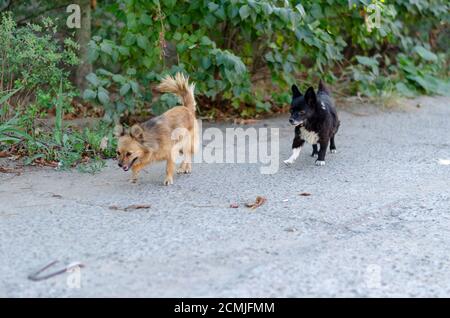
(163, 137)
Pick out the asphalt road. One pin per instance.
(376, 222)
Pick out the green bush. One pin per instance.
(243, 55)
(34, 62)
(34, 81)
(65, 145)
(224, 45)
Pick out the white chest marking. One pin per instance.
(309, 136)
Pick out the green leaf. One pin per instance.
(205, 62)
(244, 12)
(368, 61)
(92, 54)
(118, 78)
(129, 39)
(9, 139)
(146, 19)
(221, 13)
(106, 47)
(404, 90)
(169, 3)
(89, 94)
(31, 159)
(104, 72)
(134, 87)
(213, 6)
(177, 36)
(427, 86)
(59, 115)
(142, 42)
(125, 89)
(103, 96)
(93, 79)
(131, 21)
(425, 54)
(5, 98)
(204, 40)
(131, 71)
(124, 50)
(300, 9)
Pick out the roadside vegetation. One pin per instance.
(243, 55)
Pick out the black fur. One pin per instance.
(315, 113)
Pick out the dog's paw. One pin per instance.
(314, 154)
(133, 180)
(168, 181)
(333, 150)
(320, 163)
(289, 162)
(184, 169)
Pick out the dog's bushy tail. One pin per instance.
(179, 85)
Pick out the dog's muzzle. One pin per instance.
(126, 168)
(296, 122)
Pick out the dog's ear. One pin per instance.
(295, 91)
(310, 97)
(119, 131)
(137, 132)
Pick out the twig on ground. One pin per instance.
(130, 207)
(35, 276)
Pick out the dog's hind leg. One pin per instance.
(315, 150)
(186, 164)
(332, 145)
(170, 168)
(323, 149)
(297, 145)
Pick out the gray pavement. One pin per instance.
(377, 222)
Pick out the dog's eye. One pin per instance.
(128, 154)
(302, 112)
(118, 153)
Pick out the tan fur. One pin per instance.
(163, 137)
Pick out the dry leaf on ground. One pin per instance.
(10, 170)
(246, 121)
(258, 202)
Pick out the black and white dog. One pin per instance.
(316, 121)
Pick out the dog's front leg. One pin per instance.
(323, 150)
(135, 172)
(332, 145)
(170, 168)
(297, 145)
